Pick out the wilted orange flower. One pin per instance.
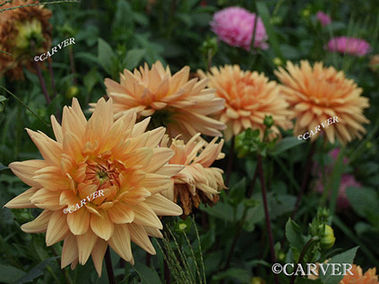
(318, 93)
(358, 277)
(249, 97)
(118, 159)
(197, 182)
(24, 33)
(184, 106)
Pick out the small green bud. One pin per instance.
(182, 226)
(257, 280)
(268, 121)
(71, 92)
(277, 61)
(327, 237)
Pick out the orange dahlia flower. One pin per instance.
(184, 106)
(24, 33)
(197, 182)
(369, 277)
(98, 184)
(249, 97)
(318, 93)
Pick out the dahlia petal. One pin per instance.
(85, 244)
(102, 226)
(155, 183)
(49, 149)
(169, 170)
(39, 224)
(57, 228)
(159, 158)
(69, 250)
(121, 213)
(140, 127)
(25, 170)
(46, 199)
(120, 242)
(153, 232)
(78, 221)
(145, 216)
(22, 200)
(162, 206)
(57, 129)
(140, 237)
(98, 253)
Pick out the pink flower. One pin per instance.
(323, 18)
(235, 26)
(334, 155)
(350, 45)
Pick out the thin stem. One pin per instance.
(302, 254)
(166, 272)
(148, 259)
(108, 264)
(250, 191)
(42, 83)
(307, 172)
(52, 77)
(267, 215)
(230, 163)
(235, 239)
(25, 105)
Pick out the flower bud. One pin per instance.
(71, 92)
(327, 237)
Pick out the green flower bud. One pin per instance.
(257, 280)
(268, 121)
(71, 92)
(327, 237)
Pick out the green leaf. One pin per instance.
(294, 235)
(285, 144)
(147, 274)
(364, 201)
(133, 57)
(105, 56)
(8, 274)
(36, 271)
(345, 257)
(281, 204)
(220, 210)
(265, 15)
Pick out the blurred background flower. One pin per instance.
(358, 277)
(24, 33)
(323, 18)
(235, 26)
(349, 45)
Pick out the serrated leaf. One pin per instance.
(345, 257)
(294, 235)
(105, 55)
(133, 57)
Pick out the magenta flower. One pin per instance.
(349, 45)
(235, 26)
(323, 18)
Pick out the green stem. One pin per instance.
(21, 102)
